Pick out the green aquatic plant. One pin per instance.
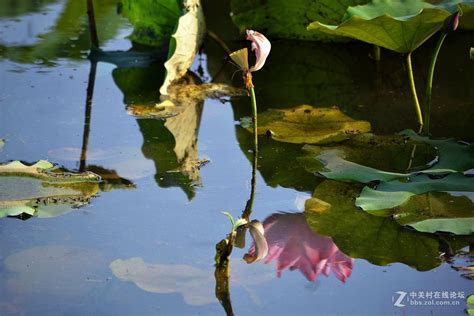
(398, 25)
(310, 125)
(288, 19)
(450, 25)
(413, 198)
(153, 21)
(43, 190)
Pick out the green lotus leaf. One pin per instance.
(394, 193)
(42, 190)
(288, 19)
(435, 211)
(366, 155)
(453, 155)
(470, 300)
(337, 162)
(380, 240)
(47, 172)
(398, 25)
(153, 20)
(307, 124)
(460, 226)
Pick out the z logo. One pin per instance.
(400, 298)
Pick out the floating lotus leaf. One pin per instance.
(379, 240)
(42, 190)
(449, 171)
(288, 19)
(445, 156)
(453, 155)
(398, 25)
(47, 172)
(437, 211)
(393, 193)
(470, 303)
(450, 212)
(350, 160)
(185, 43)
(307, 124)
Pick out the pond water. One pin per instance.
(144, 244)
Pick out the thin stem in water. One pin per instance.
(429, 82)
(92, 25)
(413, 92)
(254, 118)
(87, 116)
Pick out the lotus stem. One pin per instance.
(254, 118)
(429, 82)
(413, 92)
(376, 53)
(219, 41)
(249, 206)
(92, 25)
(87, 116)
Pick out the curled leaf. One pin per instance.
(185, 43)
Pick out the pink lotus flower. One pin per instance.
(295, 246)
(260, 45)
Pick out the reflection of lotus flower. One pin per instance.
(296, 246)
(260, 45)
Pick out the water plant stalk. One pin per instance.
(413, 92)
(429, 82)
(376, 53)
(87, 116)
(249, 206)
(92, 25)
(254, 118)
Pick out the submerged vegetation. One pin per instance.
(331, 129)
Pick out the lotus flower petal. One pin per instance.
(295, 246)
(261, 46)
(260, 244)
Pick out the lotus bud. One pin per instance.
(451, 23)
